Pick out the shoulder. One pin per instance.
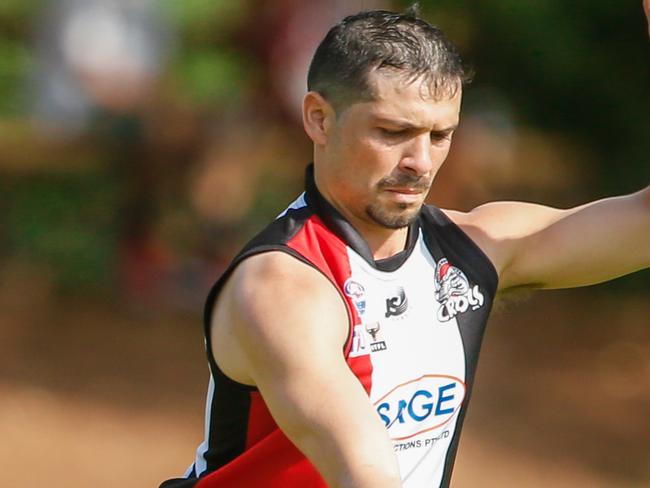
(276, 280)
(273, 305)
(499, 228)
(494, 221)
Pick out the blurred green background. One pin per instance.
(143, 142)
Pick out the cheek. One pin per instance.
(439, 154)
(368, 159)
(381, 156)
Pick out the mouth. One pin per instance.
(405, 195)
(405, 190)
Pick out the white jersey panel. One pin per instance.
(418, 361)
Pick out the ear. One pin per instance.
(317, 117)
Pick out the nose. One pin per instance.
(417, 156)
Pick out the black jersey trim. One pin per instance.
(445, 238)
(483, 263)
(228, 425)
(393, 262)
(180, 483)
(342, 228)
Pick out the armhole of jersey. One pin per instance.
(492, 275)
(214, 293)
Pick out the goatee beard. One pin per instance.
(404, 214)
(393, 220)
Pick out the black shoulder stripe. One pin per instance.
(180, 483)
(446, 239)
(454, 243)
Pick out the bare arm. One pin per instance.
(542, 247)
(537, 246)
(281, 326)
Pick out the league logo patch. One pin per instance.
(357, 293)
(377, 344)
(366, 339)
(453, 291)
(360, 345)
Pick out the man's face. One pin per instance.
(381, 156)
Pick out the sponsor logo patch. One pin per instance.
(418, 443)
(420, 405)
(397, 305)
(454, 292)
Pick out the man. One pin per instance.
(343, 339)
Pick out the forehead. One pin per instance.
(409, 101)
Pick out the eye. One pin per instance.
(437, 137)
(392, 134)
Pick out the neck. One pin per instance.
(380, 242)
(383, 242)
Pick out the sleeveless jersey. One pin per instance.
(416, 322)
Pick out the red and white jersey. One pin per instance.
(416, 322)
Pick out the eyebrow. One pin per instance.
(404, 125)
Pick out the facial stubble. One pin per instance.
(403, 214)
(402, 217)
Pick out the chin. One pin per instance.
(393, 219)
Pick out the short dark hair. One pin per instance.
(383, 40)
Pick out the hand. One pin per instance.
(646, 8)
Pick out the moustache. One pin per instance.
(405, 180)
